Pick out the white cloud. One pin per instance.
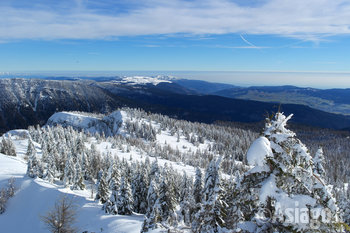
(302, 19)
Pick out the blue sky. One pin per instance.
(265, 38)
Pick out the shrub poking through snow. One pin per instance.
(62, 217)
(6, 193)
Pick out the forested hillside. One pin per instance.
(148, 172)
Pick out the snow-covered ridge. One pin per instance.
(109, 125)
(143, 80)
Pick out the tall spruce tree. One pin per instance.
(139, 191)
(7, 147)
(186, 199)
(124, 202)
(102, 189)
(211, 216)
(34, 166)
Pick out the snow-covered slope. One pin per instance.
(35, 197)
(119, 122)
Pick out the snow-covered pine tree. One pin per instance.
(7, 147)
(161, 210)
(277, 193)
(139, 191)
(31, 148)
(34, 167)
(50, 165)
(229, 198)
(78, 180)
(69, 171)
(152, 196)
(113, 175)
(110, 206)
(198, 186)
(85, 166)
(186, 199)
(154, 172)
(319, 164)
(102, 189)
(211, 216)
(124, 202)
(152, 221)
(344, 202)
(165, 204)
(197, 198)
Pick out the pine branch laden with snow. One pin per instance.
(281, 181)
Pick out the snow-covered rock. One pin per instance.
(109, 125)
(74, 120)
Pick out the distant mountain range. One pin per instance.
(329, 100)
(26, 102)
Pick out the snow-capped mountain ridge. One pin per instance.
(144, 80)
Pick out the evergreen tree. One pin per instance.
(124, 202)
(110, 206)
(102, 190)
(154, 172)
(319, 164)
(152, 221)
(31, 148)
(86, 167)
(50, 165)
(7, 147)
(165, 204)
(197, 186)
(78, 180)
(69, 171)
(186, 199)
(34, 167)
(211, 216)
(139, 192)
(152, 196)
(281, 178)
(113, 176)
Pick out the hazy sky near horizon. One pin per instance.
(281, 41)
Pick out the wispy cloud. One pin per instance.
(240, 47)
(247, 42)
(306, 20)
